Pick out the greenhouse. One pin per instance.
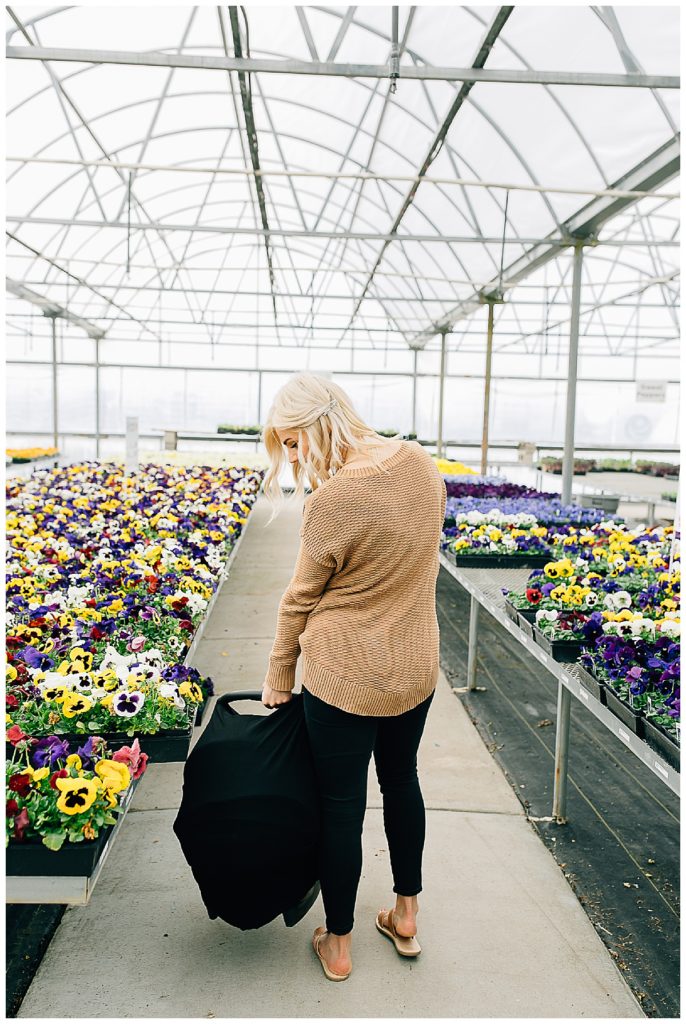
(408, 278)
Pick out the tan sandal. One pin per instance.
(405, 945)
(316, 940)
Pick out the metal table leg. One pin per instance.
(564, 703)
(471, 652)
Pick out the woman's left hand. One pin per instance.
(272, 698)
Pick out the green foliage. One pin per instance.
(234, 428)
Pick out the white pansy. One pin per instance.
(618, 628)
(119, 662)
(472, 517)
(153, 657)
(82, 682)
(546, 615)
(170, 691)
(639, 626)
(591, 600)
(620, 599)
(53, 679)
(77, 595)
(670, 629)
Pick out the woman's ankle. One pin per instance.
(406, 905)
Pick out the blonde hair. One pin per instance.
(321, 411)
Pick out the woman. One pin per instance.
(361, 607)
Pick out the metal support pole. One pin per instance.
(568, 457)
(487, 392)
(471, 650)
(564, 702)
(394, 63)
(676, 543)
(55, 440)
(414, 394)
(439, 444)
(97, 398)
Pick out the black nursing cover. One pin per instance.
(248, 823)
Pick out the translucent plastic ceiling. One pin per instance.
(136, 207)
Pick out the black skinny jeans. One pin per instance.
(342, 744)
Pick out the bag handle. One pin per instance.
(228, 698)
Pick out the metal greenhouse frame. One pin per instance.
(302, 183)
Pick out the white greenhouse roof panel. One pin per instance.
(143, 199)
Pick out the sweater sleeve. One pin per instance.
(301, 596)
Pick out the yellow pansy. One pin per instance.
(56, 693)
(153, 554)
(76, 795)
(75, 704)
(191, 690)
(114, 775)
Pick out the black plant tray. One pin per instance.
(32, 858)
(511, 612)
(662, 742)
(200, 712)
(501, 561)
(589, 681)
(526, 624)
(167, 745)
(559, 650)
(633, 719)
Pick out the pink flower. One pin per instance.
(137, 644)
(133, 757)
(15, 735)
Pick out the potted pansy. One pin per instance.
(130, 695)
(62, 806)
(562, 633)
(662, 726)
(494, 540)
(638, 660)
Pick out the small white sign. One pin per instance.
(131, 445)
(651, 390)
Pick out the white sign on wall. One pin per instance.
(131, 445)
(651, 390)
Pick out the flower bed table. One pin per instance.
(72, 889)
(484, 587)
(77, 889)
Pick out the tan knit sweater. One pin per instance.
(361, 605)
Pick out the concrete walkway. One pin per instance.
(502, 933)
